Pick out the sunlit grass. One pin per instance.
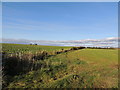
(85, 68)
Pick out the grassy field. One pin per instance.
(14, 48)
(83, 68)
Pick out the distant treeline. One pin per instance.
(100, 47)
(76, 48)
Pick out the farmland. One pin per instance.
(58, 68)
(14, 48)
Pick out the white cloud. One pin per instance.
(107, 42)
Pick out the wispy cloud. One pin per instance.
(27, 28)
(107, 42)
(53, 23)
(31, 25)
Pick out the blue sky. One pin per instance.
(60, 21)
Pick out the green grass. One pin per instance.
(14, 48)
(85, 68)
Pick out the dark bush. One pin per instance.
(74, 48)
(58, 52)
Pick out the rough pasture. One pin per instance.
(79, 68)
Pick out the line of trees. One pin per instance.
(100, 47)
